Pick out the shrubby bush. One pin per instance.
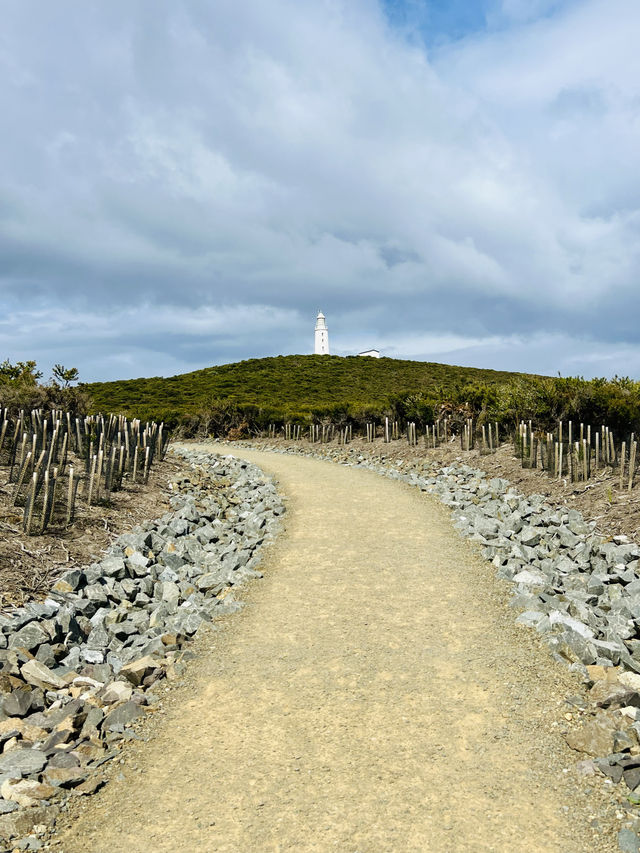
(20, 388)
(250, 395)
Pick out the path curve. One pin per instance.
(374, 696)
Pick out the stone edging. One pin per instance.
(580, 592)
(76, 668)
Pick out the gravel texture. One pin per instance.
(375, 694)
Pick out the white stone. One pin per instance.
(557, 617)
(532, 578)
(630, 679)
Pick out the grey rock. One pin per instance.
(573, 647)
(188, 623)
(137, 560)
(170, 592)
(29, 637)
(22, 762)
(19, 702)
(96, 593)
(172, 561)
(113, 567)
(530, 578)
(486, 527)
(531, 536)
(63, 759)
(628, 841)
(122, 716)
(531, 618)
(559, 618)
(99, 638)
(70, 581)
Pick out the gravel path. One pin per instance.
(373, 696)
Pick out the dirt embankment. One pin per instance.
(29, 564)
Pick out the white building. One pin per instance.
(322, 335)
(374, 353)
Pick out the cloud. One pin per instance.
(168, 165)
(134, 341)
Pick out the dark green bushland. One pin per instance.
(298, 389)
(246, 397)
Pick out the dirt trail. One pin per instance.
(374, 696)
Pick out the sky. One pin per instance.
(186, 183)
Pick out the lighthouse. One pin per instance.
(322, 335)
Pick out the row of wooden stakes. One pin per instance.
(577, 452)
(389, 430)
(53, 459)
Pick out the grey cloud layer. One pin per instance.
(168, 161)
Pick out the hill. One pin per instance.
(294, 386)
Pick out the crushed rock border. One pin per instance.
(578, 590)
(78, 670)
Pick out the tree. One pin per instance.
(64, 376)
(22, 372)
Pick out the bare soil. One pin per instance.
(30, 564)
(374, 695)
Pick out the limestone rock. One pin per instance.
(38, 674)
(29, 637)
(65, 777)
(136, 671)
(122, 716)
(596, 737)
(117, 691)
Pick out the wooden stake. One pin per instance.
(32, 503)
(70, 497)
(43, 520)
(632, 464)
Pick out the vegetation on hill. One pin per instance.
(296, 388)
(247, 396)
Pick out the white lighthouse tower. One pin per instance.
(322, 335)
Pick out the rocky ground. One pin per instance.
(77, 669)
(80, 670)
(29, 565)
(374, 694)
(576, 581)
